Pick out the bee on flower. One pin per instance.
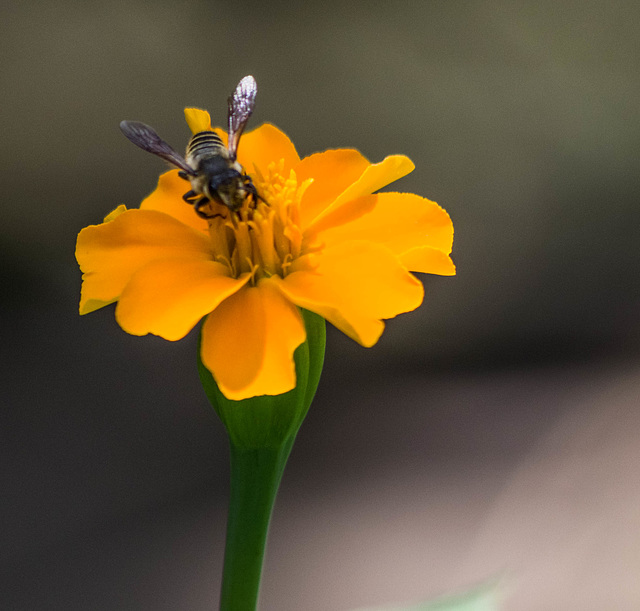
(306, 233)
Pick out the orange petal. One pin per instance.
(167, 297)
(249, 340)
(354, 285)
(167, 198)
(115, 213)
(400, 221)
(264, 145)
(332, 172)
(197, 120)
(109, 254)
(373, 178)
(343, 215)
(428, 261)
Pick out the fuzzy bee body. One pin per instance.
(218, 177)
(211, 167)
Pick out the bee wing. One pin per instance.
(146, 138)
(241, 105)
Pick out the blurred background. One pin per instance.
(491, 433)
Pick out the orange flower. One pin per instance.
(317, 239)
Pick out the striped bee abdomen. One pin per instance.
(204, 145)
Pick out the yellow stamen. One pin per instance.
(263, 238)
(243, 248)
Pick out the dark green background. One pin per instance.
(522, 120)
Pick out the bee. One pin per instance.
(210, 166)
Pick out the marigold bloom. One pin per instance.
(317, 239)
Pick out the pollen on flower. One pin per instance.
(264, 237)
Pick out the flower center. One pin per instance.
(263, 238)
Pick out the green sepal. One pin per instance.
(261, 433)
(271, 421)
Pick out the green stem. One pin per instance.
(261, 430)
(255, 477)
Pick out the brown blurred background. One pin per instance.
(493, 432)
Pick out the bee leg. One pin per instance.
(190, 197)
(251, 189)
(201, 203)
(183, 175)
